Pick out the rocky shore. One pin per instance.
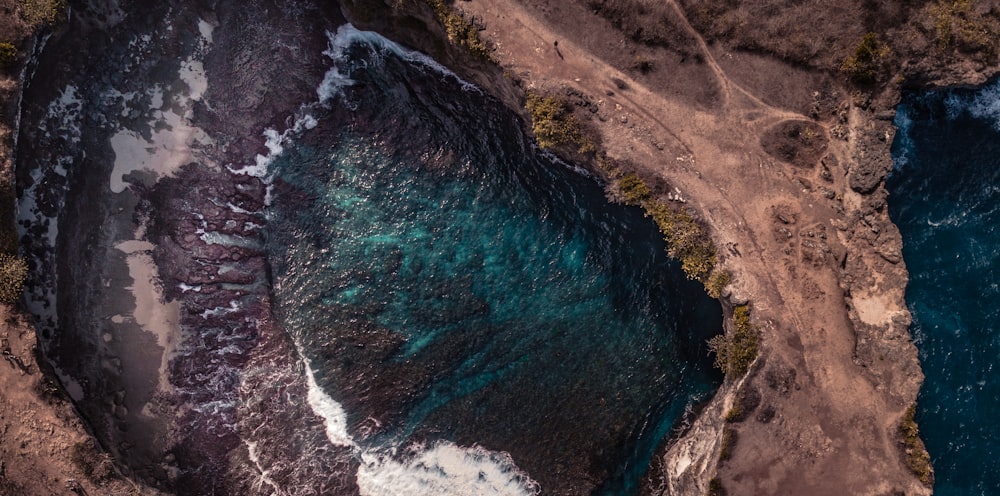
(746, 120)
(781, 144)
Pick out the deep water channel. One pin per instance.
(945, 198)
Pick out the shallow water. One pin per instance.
(945, 198)
(449, 282)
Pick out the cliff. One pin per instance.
(773, 130)
(771, 122)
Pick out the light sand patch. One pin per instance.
(873, 309)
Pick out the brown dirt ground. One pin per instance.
(44, 448)
(695, 114)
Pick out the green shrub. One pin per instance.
(38, 12)
(686, 240)
(460, 31)
(633, 189)
(8, 53)
(736, 350)
(13, 271)
(728, 443)
(958, 25)
(735, 414)
(917, 458)
(864, 65)
(554, 125)
(717, 281)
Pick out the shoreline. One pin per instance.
(832, 383)
(819, 260)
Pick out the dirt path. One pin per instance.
(829, 415)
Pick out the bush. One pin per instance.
(917, 458)
(38, 12)
(95, 465)
(8, 53)
(686, 240)
(460, 31)
(13, 271)
(735, 351)
(745, 402)
(728, 443)
(864, 65)
(554, 125)
(633, 189)
(717, 281)
(957, 24)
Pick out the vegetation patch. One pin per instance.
(957, 24)
(728, 443)
(865, 64)
(460, 31)
(633, 189)
(96, 466)
(38, 12)
(735, 351)
(13, 271)
(917, 457)
(8, 53)
(554, 125)
(747, 400)
(716, 282)
(715, 488)
(687, 239)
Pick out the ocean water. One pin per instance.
(469, 307)
(945, 198)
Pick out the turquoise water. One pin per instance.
(945, 198)
(448, 281)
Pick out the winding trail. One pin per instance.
(831, 416)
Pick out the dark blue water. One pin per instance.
(447, 281)
(945, 198)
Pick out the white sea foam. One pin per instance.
(329, 410)
(905, 143)
(983, 104)
(445, 469)
(348, 35)
(275, 143)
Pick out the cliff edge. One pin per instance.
(772, 123)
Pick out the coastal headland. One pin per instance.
(772, 124)
(769, 123)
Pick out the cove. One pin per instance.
(447, 281)
(945, 198)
